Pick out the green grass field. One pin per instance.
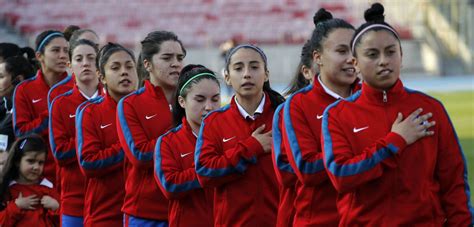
(460, 106)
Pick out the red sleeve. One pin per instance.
(451, 173)
(138, 148)
(11, 214)
(24, 121)
(348, 169)
(174, 181)
(303, 146)
(61, 141)
(95, 161)
(215, 166)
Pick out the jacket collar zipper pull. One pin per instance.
(385, 96)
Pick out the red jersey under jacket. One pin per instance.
(30, 113)
(228, 158)
(101, 160)
(316, 197)
(284, 173)
(142, 117)
(62, 135)
(381, 180)
(12, 215)
(190, 204)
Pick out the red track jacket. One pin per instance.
(101, 160)
(62, 134)
(190, 205)
(142, 117)
(381, 180)
(14, 216)
(228, 158)
(30, 113)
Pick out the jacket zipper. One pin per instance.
(384, 96)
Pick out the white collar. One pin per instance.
(246, 115)
(96, 93)
(328, 91)
(44, 182)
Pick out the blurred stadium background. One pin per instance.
(438, 36)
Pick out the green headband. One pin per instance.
(192, 78)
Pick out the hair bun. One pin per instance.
(375, 13)
(321, 16)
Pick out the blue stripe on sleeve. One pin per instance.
(276, 133)
(58, 155)
(139, 155)
(175, 188)
(63, 81)
(80, 140)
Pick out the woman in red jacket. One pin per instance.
(30, 98)
(234, 144)
(62, 131)
(26, 198)
(99, 151)
(190, 205)
(142, 117)
(389, 161)
(315, 201)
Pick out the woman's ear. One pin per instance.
(39, 56)
(181, 101)
(227, 78)
(317, 58)
(307, 72)
(101, 77)
(147, 65)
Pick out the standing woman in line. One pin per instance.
(62, 130)
(315, 201)
(190, 205)
(142, 117)
(99, 151)
(30, 98)
(284, 172)
(391, 152)
(234, 144)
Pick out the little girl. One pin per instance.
(27, 199)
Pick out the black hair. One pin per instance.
(299, 81)
(76, 34)
(185, 75)
(324, 24)
(29, 143)
(275, 98)
(10, 50)
(17, 66)
(69, 30)
(106, 51)
(41, 41)
(151, 46)
(373, 15)
(76, 43)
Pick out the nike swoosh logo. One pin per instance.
(36, 100)
(72, 116)
(356, 130)
(150, 117)
(184, 155)
(319, 116)
(105, 126)
(226, 140)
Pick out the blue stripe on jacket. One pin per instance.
(64, 154)
(276, 134)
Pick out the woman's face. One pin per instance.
(5, 80)
(247, 73)
(335, 60)
(379, 59)
(83, 63)
(120, 74)
(166, 65)
(55, 56)
(202, 98)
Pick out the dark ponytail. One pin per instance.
(19, 66)
(299, 81)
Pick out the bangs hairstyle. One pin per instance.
(106, 51)
(375, 21)
(188, 77)
(29, 143)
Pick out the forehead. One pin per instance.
(339, 36)
(205, 86)
(119, 56)
(245, 55)
(378, 39)
(170, 47)
(83, 49)
(58, 41)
